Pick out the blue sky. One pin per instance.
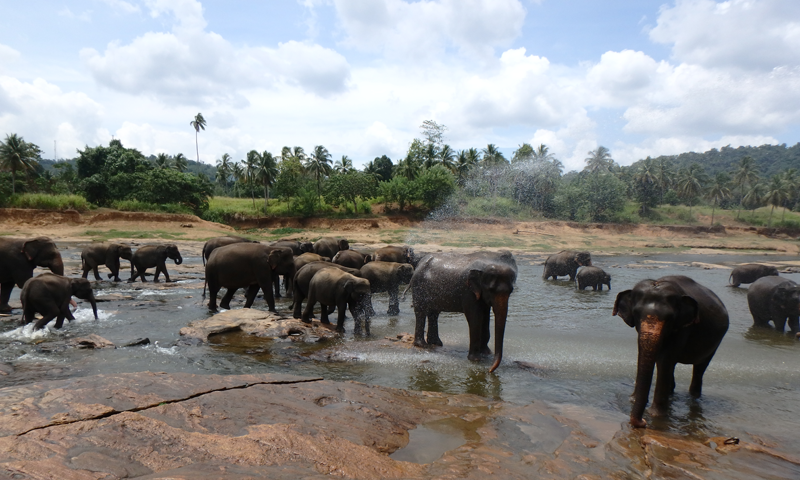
(639, 77)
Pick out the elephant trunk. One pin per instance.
(500, 309)
(57, 266)
(178, 259)
(94, 306)
(650, 335)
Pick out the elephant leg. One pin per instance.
(96, 273)
(49, 312)
(309, 310)
(157, 274)
(698, 370)
(250, 295)
(213, 290)
(5, 294)
(226, 299)
(394, 301)
(297, 303)
(166, 274)
(419, 328)
(266, 287)
(794, 322)
(276, 283)
(433, 329)
(342, 307)
(665, 384)
(780, 322)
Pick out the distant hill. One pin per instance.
(771, 159)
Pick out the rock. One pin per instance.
(259, 323)
(91, 341)
(137, 342)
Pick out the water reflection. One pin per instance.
(770, 337)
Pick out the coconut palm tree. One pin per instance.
(665, 175)
(462, 166)
(17, 154)
(344, 165)
(430, 155)
(408, 167)
(181, 163)
(492, 156)
(474, 156)
(792, 182)
(319, 165)
(224, 170)
(162, 160)
(746, 174)
(267, 174)
(775, 195)
(646, 179)
(690, 183)
(754, 197)
(199, 123)
(446, 158)
(251, 166)
(239, 177)
(542, 152)
(599, 160)
(718, 191)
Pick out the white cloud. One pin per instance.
(85, 16)
(735, 34)
(122, 5)
(425, 29)
(622, 77)
(190, 65)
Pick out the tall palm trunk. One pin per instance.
(769, 222)
(196, 146)
(13, 181)
(266, 202)
(713, 207)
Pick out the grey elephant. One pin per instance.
(18, 258)
(774, 299)
(392, 253)
(749, 273)
(332, 287)
(302, 279)
(302, 260)
(677, 321)
(49, 295)
(252, 266)
(475, 285)
(594, 277)
(387, 277)
(107, 254)
(298, 248)
(151, 256)
(328, 246)
(351, 258)
(217, 242)
(565, 263)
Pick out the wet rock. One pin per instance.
(538, 370)
(91, 341)
(136, 343)
(6, 369)
(259, 323)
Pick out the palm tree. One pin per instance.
(408, 167)
(344, 165)
(162, 160)
(473, 156)
(181, 163)
(224, 170)
(251, 166)
(462, 166)
(645, 178)
(690, 183)
(319, 165)
(542, 152)
(446, 158)
(746, 174)
(430, 153)
(599, 160)
(17, 154)
(239, 177)
(776, 194)
(493, 156)
(199, 123)
(664, 174)
(754, 197)
(718, 192)
(792, 183)
(267, 174)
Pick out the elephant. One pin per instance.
(677, 321)
(328, 246)
(18, 258)
(151, 256)
(391, 253)
(49, 295)
(332, 287)
(302, 260)
(298, 248)
(351, 258)
(303, 278)
(104, 253)
(594, 277)
(217, 242)
(774, 299)
(471, 284)
(565, 263)
(749, 273)
(246, 265)
(387, 277)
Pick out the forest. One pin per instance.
(432, 179)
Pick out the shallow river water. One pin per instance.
(562, 347)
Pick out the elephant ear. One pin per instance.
(274, 259)
(623, 308)
(367, 259)
(30, 248)
(112, 252)
(474, 282)
(690, 310)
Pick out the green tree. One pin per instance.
(474, 156)
(180, 162)
(599, 160)
(224, 170)
(775, 195)
(239, 175)
(463, 164)
(718, 192)
(492, 156)
(399, 190)
(162, 161)
(251, 166)
(291, 179)
(17, 154)
(691, 183)
(746, 174)
(267, 174)
(446, 158)
(198, 123)
(381, 167)
(434, 186)
(319, 166)
(433, 132)
(344, 165)
(349, 187)
(605, 196)
(646, 185)
(524, 153)
(754, 197)
(408, 167)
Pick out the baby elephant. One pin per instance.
(49, 295)
(749, 273)
(332, 287)
(594, 277)
(107, 254)
(774, 299)
(151, 256)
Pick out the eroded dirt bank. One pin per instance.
(156, 425)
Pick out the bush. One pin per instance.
(137, 206)
(498, 206)
(45, 201)
(686, 216)
(434, 186)
(671, 198)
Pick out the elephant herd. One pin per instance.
(677, 320)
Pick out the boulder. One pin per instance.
(260, 323)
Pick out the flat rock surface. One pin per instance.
(258, 323)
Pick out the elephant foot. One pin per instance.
(109, 276)
(419, 342)
(657, 411)
(638, 423)
(157, 280)
(278, 295)
(273, 310)
(5, 308)
(225, 306)
(393, 311)
(474, 357)
(339, 329)
(435, 341)
(325, 321)
(305, 320)
(486, 351)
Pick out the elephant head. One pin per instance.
(787, 297)
(658, 310)
(343, 244)
(493, 285)
(405, 272)
(171, 251)
(583, 259)
(42, 252)
(281, 260)
(117, 250)
(306, 247)
(82, 288)
(359, 293)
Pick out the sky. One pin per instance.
(640, 77)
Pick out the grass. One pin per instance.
(44, 201)
(105, 235)
(137, 206)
